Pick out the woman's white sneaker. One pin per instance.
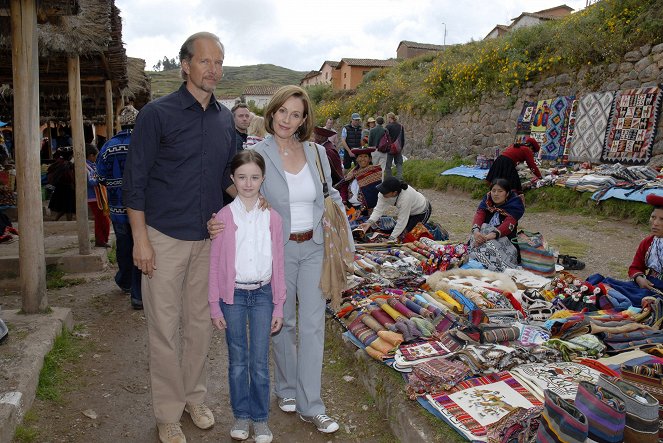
(323, 422)
(287, 404)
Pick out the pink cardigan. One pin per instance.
(222, 264)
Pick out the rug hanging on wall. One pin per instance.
(540, 119)
(556, 128)
(570, 129)
(587, 133)
(632, 128)
(524, 124)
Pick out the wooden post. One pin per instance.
(25, 64)
(119, 104)
(110, 117)
(80, 170)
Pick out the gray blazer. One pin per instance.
(275, 186)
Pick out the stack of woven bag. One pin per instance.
(612, 410)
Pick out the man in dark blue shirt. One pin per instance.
(177, 168)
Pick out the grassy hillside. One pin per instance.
(461, 74)
(235, 79)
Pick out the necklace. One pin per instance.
(285, 150)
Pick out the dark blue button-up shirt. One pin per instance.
(179, 163)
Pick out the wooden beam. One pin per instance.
(109, 110)
(25, 62)
(119, 104)
(80, 170)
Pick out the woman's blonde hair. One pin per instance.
(392, 116)
(304, 132)
(257, 127)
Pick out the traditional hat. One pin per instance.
(532, 143)
(360, 151)
(128, 116)
(390, 184)
(356, 116)
(323, 132)
(370, 120)
(655, 200)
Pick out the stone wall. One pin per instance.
(492, 123)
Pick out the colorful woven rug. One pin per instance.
(524, 124)
(587, 133)
(478, 402)
(542, 114)
(570, 129)
(557, 128)
(562, 377)
(632, 128)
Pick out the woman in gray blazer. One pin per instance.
(293, 188)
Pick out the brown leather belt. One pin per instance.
(300, 237)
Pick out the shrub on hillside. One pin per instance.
(461, 74)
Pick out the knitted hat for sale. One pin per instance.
(128, 116)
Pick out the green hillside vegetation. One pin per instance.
(235, 79)
(461, 74)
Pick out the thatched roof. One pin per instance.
(139, 88)
(94, 34)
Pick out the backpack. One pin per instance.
(384, 144)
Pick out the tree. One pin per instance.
(167, 64)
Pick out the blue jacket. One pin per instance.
(110, 167)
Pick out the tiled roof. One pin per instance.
(311, 74)
(416, 45)
(260, 90)
(545, 13)
(368, 62)
(331, 63)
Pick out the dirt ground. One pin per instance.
(110, 376)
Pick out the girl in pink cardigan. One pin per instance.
(247, 286)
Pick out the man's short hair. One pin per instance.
(237, 106)
(380, 120)
(186, 51)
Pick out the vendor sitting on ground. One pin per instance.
(505, 165)
(412, 206)
(647, 267)
(358, 188)
(495, 224)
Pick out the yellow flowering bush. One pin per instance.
(461, 74)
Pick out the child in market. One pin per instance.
(247, 285)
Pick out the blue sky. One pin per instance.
(302, 34)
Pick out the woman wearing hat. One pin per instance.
(359, 187)
(370, 124)
(412, 206)
(322, 137)
(646, 270)
(505, 164)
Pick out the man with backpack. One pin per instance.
(375, 140)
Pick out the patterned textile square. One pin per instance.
(542, 114)
(524, 124)
(570, 129)
(557, 128)
(416, 351)
(585, 141)
(473, 405)
(562, 377)
(632, 128)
